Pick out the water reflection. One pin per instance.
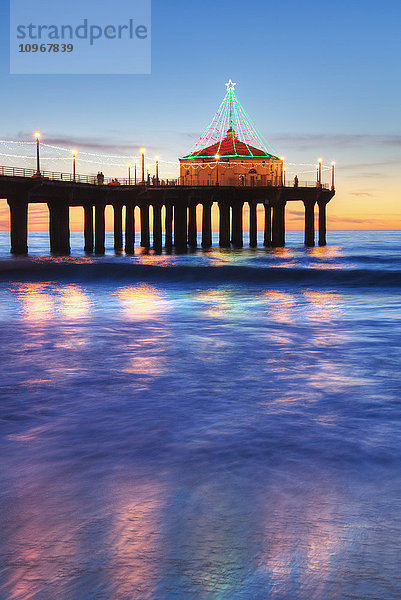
(142, 302)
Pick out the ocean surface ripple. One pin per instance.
(220, 425)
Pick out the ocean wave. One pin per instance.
(64, 269)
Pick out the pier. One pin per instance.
(20, 188)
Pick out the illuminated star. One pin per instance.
(230, 86)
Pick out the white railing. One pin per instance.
(112, 181)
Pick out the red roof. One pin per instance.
(229, 146)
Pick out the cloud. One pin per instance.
(89, 143)
(313, 140)
(361, 194)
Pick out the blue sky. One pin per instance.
(318, 78)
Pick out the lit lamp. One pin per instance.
(74, 154)
(284, 172)
(217, 157)
(143, 164)
(319, 179)
(135, 163)
(157, 170)
(317, 174)
(37, 137)
(333, 165)
(129, 173)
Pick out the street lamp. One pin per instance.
(37, 136)
(333, 165)
(143, 164)
(284, 172)
(317, 175)
(217, 157)
(74, 154)
(129, 174)
(320, 172)
(135, 163)
(157, 170)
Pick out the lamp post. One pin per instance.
(135, 163)
(284, 172)
(333, 165)
(157, 170)
(317, 175)
(129, 174)
(74, 154)
(143, 164)
(319, 163)
(217, 157)
(37, 136)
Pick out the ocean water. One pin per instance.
(217, 425)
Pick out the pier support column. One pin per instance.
(169, 227)
(322, 221)
(18, 225)
(130, 229)
(253, 226)
(180, 225)
(224, 237)
(309, 223)
(88, 228)
(267, 240)
(237, 237)
(207, 225)
(157, 228)
(59, 227)
(99, 229)
(145, 234)
(118, 228)
(192, 227)
(278, 228)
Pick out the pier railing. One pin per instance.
(113, 181)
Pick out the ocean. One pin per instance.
(216, 425)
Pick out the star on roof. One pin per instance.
(230, 86)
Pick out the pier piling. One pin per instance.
(207, 225)
(267, 239)
(309, 223)
(237, 225)
(157, 227)
(118, 228)
(18, 225)
(224, 229)
(99, 229)
(192, 226)
(253, 227)
(130, 228)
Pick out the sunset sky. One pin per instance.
(318, 79)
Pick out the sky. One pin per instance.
(319, 79)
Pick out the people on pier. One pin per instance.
(296, 181)
(100, 178)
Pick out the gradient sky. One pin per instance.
(318, 79)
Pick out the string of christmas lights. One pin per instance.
(12, 151)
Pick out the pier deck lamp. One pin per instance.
(217, 157)
(143, 150)
(333, 166)
(319, 179)
(157, 169)
(284, 172)
(37, 137)
(135, 163)
(74, 155)
(129, 173)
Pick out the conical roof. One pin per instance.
(231, 133)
